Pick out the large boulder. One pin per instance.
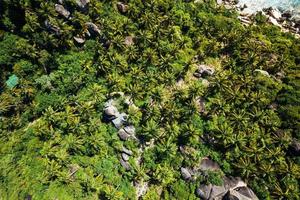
(186, 173)
(111, 112)
(273, 12)
(232, 189)
(62, 11)
(217, 192)
(123, 134)
(127, 151)
(233, 183)
(120, 120)
(273, 21)
(125, 156)
(125, 164)
(243, 193)
(130, 130)
(204, 191)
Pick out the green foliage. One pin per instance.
(55, 143)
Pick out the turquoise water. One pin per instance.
(256, 5)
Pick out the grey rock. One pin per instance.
(217, 192)
(280, 75)
(203, 71)
(230, 196)
(241, 194)
(123, 135)
(125, 157)
(274, 12)
(185, 173)
(128, 41)
(262, 72)
(123, 8)
(125, 164)
(62, 11)
(109, 103)
(92, 28)
(204, 191)
(130, 130)
(273, 21)
(127, 151)
(201, 104)
(207, 164)
(233, 183)
(219, 2)
(120, 120)
(79, 40)
(111, 111)
(247, 192)
(82, 3)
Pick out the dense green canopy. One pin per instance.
(56, 144)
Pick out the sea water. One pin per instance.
(258, 5)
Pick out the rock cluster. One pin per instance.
(232, 187)
(287, 20)
(90, 29)
(191, 174)
(202, 72)
(125, 156)
(125, 130)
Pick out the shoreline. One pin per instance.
(286, 20)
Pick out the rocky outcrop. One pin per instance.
(186, 173)
(288, 21)
(232, 188)
(125, 130)
(127, 133)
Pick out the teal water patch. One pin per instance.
(258, 5)
(12, 81)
